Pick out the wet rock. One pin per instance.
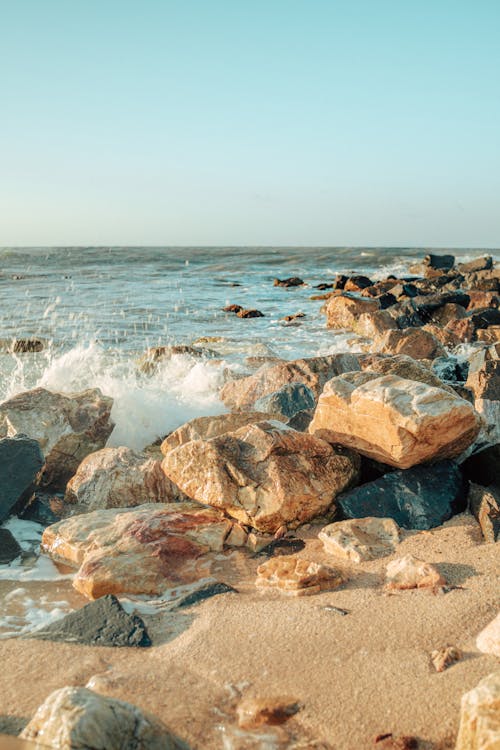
(249, 314)
(205, 592)
(357, 283)
(100, 623)
(140, 551)
(360, 539)
(288, 400)
(489, 335)
(484, 504)
(478, 264)
(42, 510)
(419, 498)
(120, 478)
(409, 572)
(293, 318)
(67, 427)
(441, 262)
(78, 718)
(292, 281)
(322, 287)
(263, 475)
(155, 355)
(20, 463)
(442, 658)
(9, 548)
(393, 420)
(255, 712)
(451, 369)
(343, 312)
(415, 342)
(488, 640)
(480, 716)
(232, 308)
(23, 346)
(297, 577)
(340, 281)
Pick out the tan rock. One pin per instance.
(148, 363)
(490, 335)
(264, 475)
(139, 551)
(442, 658)
(410, 573)
(416, 342)
(485, 385)
(484, 503)
(297, 577)
(75, 717)
(373, 324)
(360, 539)
(404, 367)
(343, 311)
(446, 336)
(480, 716)
(479, 300)
(255, 712)
(67, 426)
(393, 420)
(488, 640)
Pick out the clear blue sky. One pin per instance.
(323, 122)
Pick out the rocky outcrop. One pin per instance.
(480, 716)
(20, 463)
(297, 577)
(415, 342)
(484, 503)
(488, 640)
(410, 573)
(393, 420)
(287, 401)
(343, 311)
(67, 427)
(360, 539)
(265, 475)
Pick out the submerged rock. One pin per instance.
(292, 281)
(9, 547)
(297, 577)
(255, 712)
(488, 640)
(480, 716)
(20, 463)
(360, 539)
(249, 314)
(409, 572)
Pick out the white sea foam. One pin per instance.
(21, 614)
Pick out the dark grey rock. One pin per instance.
(444, 262)
(20, 461)
(39, 512)
(279, 547)
(205, 592)
(288, 400)
(100, 623)
(484, 467)
(301, 420)
(485, 317)
(418, 498)
(484, 504)
(9, 548)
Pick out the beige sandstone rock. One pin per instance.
(484, 503)
(297, 577)
(67, 426)
(480, 716)
(254, 712)
(416, 342)
(446, 336)
(393, 420)
(442, 658)
(264, 475)
(373, 324)
(75, 718)
(410, 573)
(404, 367)
(120, 478)
(464, 329)
(490, 335)
(485, 384)
(488, 640)
(139, 551)
(344, 311)
(361, 538)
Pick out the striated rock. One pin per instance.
(120, 478)
(442, 658)
(9, 548)
(419, 498)
(204, 428)
(74, 718)
(255, 712)
(67, 426)
(288, 400)
(265, 475)
(415, 342)
(360, 539)
(139, 551)
(409, 572)
(297, 577)
(393, 420)
(484, 504)
(343, 311)
(20, 463)
(488, 640)
(480, 716)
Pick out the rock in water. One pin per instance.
(254, 712)
(265, 475)
(484, 503)
(100, 623)
(20, 462)
(414, 342)
(488, 640)
(344, 311)
(67, 427)
(9, 548)
(418, 498)
(410, 573)
(74, 717)
(393, 420)
(297, 577)
(480, 716)
(363, 539)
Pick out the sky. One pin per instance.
(250, 122)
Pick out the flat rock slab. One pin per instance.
(297, 577)
(419, 498)
(9, 548)
(101, 623)
(20, 461)
(360, 539)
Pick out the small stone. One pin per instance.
(408, 572)
(232, 308)
(254, 712)
(297, 577)
(9, 548)
(284, 546)
(292, 281)
(445, 657)
(249, 314)
(360, 539)
(488, 640)
(390, 742)
(480, 716)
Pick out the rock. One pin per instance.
(488, 640)
(288, 400)
(415, 342)
(9, 548)
(205, 592)
(340, 281)
(23, 346)
(441, 262)
(450, 369)
(343, 312)
(480, 716)
(419, 498)
(442, 658)
(241, 394)
(263, 475)
(391, 742)
(361, 539)
(357, 283)
(43, 509)
(75, 717)
(292, 281)
(232, 308)
(464, 330)
(254, 712)
(297, 577)
(20, 463)
(155, 355)
(374, 324)
(284, 546)
(393, 420)
(485, 384)
(485, 317)
(482, 467)
(100, 623)
(409, 572)
(404, 367)
(301, 420)
(140, 551)
(249, 314)
(449, 311)
(479, 299)
(294, 317)
(489, 335)
(67, 427)
(484, 504)
(120, 478)
(478, 264)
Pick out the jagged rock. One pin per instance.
(204, 428)
(417, 498)
(360, 539)
(484, 504)
(9, 548)
(20, 463)
(393, 420)
(478, 264)
(488, 640)
(67, 426)
(254, 712)
(264, 475)
(415, 342)
(442, 658)
(297, 577)
(139, 551)
(409, 572)
(75, 717)
(343, 311)
(120, 478)
(205, 592)
(404, 367)
(480, 716)
(288, 400)
(100, 623)
(464, 330)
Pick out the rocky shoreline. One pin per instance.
(369, 481)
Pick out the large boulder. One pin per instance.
(67, 426)
(20, 463)
(393, 420)
(416, 342)
(480, 716)
(485, 385)
(119, 478)
(264, 475)
(140, 551)
(343, 311)
(404, 367)
(75, 717)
